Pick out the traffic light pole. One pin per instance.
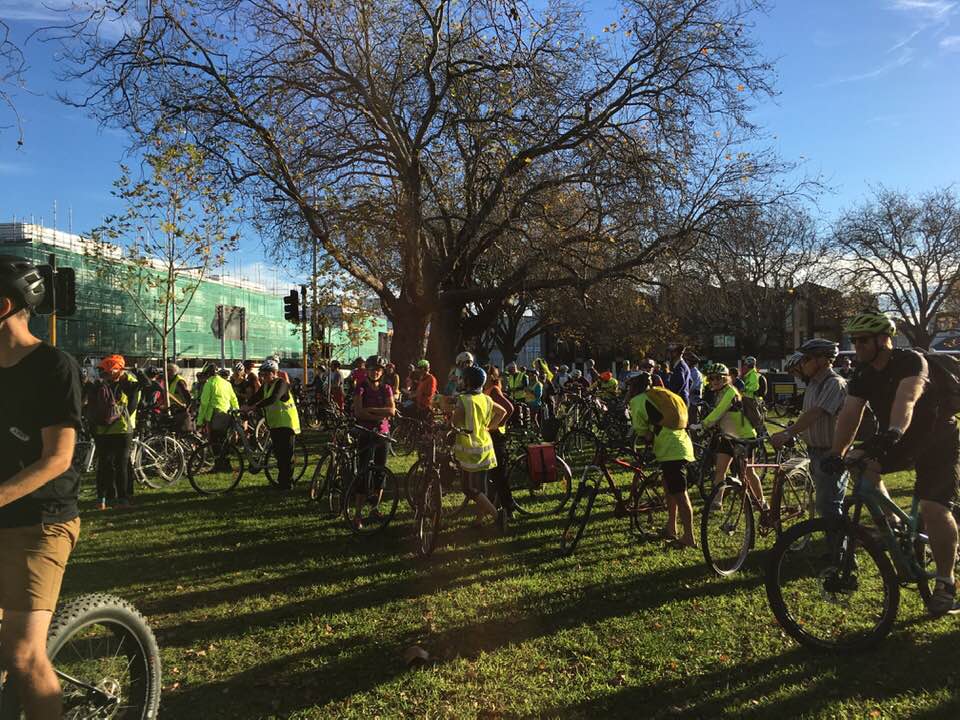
(53, 291)
(303, 329)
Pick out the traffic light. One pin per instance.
(291, 307)
(60, 288)
(66, 289)
(48, 304)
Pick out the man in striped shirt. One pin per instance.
(824, 396)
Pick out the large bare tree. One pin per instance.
(423, 143)
(906, 251)
(12, 65)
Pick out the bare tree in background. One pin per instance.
(907, 252)
(12, 65)
(738, 280)
(440, 140)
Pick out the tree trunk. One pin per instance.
(445, 341)
(409, 335)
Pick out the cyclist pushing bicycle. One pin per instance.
(914, 430)
(672, 449)
(39, 522)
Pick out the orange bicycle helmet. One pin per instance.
(112, 363)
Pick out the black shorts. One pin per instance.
(936, 458)
(725, 446)
(674, 476)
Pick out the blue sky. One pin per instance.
(868, 95)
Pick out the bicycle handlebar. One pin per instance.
(373, 432)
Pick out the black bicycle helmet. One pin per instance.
(819, 347)
(21, 282)
(375, 361)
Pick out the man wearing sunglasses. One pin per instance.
(913, 432)
(824, 396)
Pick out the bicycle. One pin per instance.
(376, 484)
(425, 486)
(701, 471)
(643, 504)
(106, 657)
(334, 455)
(208, 464)
(157, 462)
(841, 592)
(727, 527)
(531, 496)
(435, 451)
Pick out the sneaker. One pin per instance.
(944, 600)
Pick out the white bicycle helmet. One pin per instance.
(464, 360)
(269, 365)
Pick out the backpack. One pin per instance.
(102, 406)
(671, 406)
(945, 375)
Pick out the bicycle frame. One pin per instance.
(879, 505)
(742, 464)
(256, 461)
(600, 463)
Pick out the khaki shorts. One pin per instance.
(32, 561)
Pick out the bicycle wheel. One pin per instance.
(412, 483)
(261, 433)
(300, 460)
(535, 499)
(162, 461)
(320, 477)
(579, 449)
(794, 499)
(429, 509)
(827, 597)
(577, 516)
(726, 528)
(215, 472)
(646, 506)
(370, 500)
(702, 471)
(107, 659)
(326, 486)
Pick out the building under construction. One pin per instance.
(109, 321)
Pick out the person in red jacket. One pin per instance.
(426, 389)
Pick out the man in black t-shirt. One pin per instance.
(913, 431)
(39, 524)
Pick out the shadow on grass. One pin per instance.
(350, 667)
(735, 689)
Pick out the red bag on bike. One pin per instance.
(542, 463)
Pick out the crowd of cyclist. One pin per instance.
(44, 405)
(896, 385)
(911, 424)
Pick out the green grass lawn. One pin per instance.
(263, 608)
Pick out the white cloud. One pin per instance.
(60, 12)
(904, 57)
(951, 43)
(33, 10)
(935, 8)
